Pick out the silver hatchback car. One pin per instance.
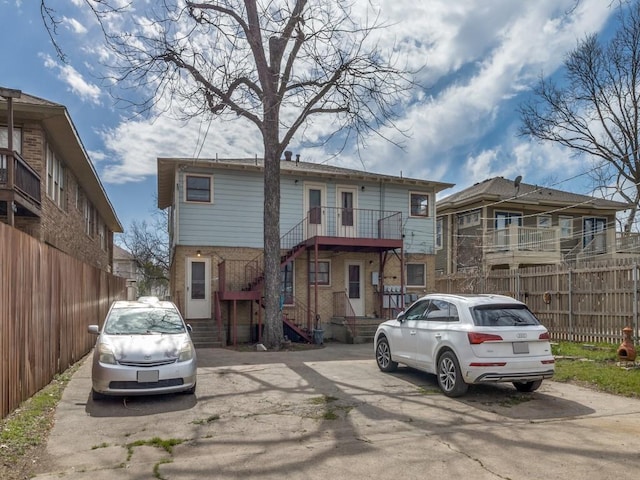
(144, 348)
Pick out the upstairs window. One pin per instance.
(566, 227)
(17, 139)
(439, 233)
(55, 178)
(419, 205)
(198, 189)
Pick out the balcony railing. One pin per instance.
(239, 275)
(26, 180)
(523, 239)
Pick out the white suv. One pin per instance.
(466, 339)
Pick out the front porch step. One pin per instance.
(365, 329)
(204, 333)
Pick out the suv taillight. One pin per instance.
(476, 338)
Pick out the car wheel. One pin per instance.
(527, 386)
(449, 376)
(383, 356)
(97, 396)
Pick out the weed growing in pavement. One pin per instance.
(209, 419)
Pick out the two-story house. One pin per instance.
(48, 186)
(351, 242)
(502, 223)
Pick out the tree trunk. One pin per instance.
(273, 333)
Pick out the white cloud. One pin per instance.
(74, 25)
(74, 80)
(478, 57)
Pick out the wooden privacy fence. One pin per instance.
(47, 299)
(590, 304)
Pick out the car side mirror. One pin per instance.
(189, 328)
(400, 317)
(94, 329)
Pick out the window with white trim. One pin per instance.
(416, 274)
(419, 204)
(439, 233)
(566, 227)
(198, 188)
(17, 138)
(55, 178)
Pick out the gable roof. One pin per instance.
(64, 137)
(167, 168)
(502, 190)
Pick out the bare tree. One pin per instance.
(148, 243)
(278, 64)
(595, 111)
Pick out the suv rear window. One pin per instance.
(502, 316)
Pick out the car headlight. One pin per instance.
(106, 354)
(186, 352)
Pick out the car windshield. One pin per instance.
(143, 321)
(503, 316)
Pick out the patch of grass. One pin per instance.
(595, 366)
(156, 467)
(157, 442)
(513, 400)
(28, 426)
(209, 419)
(330, 415)
(429, 391)
(323, 400)
(102, 445)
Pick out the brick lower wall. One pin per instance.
(247, 315)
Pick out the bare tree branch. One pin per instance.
(595, 112)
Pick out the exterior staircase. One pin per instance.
(204, 333)
(355, 329)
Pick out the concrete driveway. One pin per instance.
(331, 414)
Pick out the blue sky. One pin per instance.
(480, 60)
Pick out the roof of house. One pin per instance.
(167, 168)
(502, 190)
(66, 141)
(120, 253)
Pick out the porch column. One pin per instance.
(9, 95)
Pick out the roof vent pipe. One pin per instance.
(287, 155)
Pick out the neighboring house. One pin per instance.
(345, 237)
(125, 265)
(501, 223)
(48, 186)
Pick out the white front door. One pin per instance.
(198, 288)
(314, 209)
(354, 286)
(346, 199)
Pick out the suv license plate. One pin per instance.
(520, 347)
(146, 376)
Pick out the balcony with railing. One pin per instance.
(600, 246)
(517, 245)
(332, 228)
(19, 183)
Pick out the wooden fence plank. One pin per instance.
(588, 304)
(47, 299)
